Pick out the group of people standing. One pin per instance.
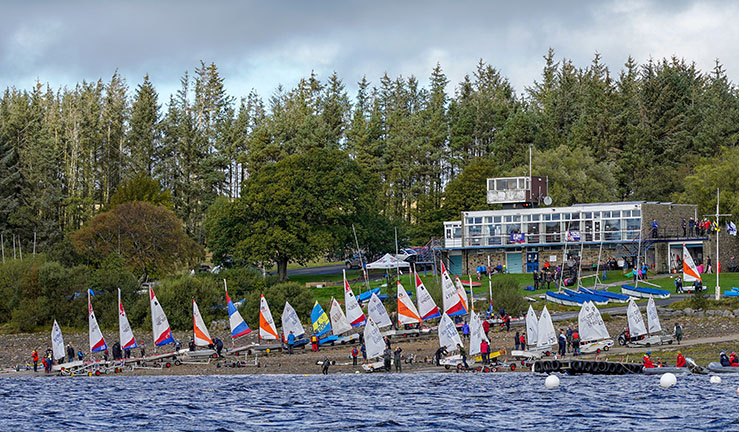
(697, 228)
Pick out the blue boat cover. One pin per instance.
(577, 298)
(366, 295)
(646, 290)
(594, 297)
(607, 294)
(731, 293)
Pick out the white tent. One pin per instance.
(387, 262)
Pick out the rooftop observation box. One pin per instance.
(526, 191)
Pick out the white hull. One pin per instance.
(562, 301)
(594, 347)
(646, 342)
(374, 366)
(639, 294)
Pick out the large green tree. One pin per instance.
(300, 208)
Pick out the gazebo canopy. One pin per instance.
(387, 262)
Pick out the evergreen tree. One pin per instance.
(143, 136)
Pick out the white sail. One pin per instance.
(339, 323)
(97, 341)
(451, 299)
(354, 313)
(373, 342)
(636, 322)
(407, 312)
(159, 323)
(477, 334)
(532, 327)
(57, 342)
(128, 341)
(448, 335)
(200, 330)
(590, 324)
(690, 271)
(427, 308)
(545, 334)
(267, 329)
(652, 317)
(377, 312)
(463, 294)
(291, 322)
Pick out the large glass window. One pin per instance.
(532, 232)
(552, 232)
(612, 228)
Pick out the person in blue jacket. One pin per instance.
(290, 342)
(465, 331)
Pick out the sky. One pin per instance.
(262, 44)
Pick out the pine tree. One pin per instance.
(144, 134)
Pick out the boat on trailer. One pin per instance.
(611, 296)
(564, 299)
(595, 298)
(644, 292)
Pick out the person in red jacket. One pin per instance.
(680, 360)
(648, 360)
(34, 357)
(733, 360)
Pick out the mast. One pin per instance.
(564, 258)
(490, 285)
(638, 249)
(361, 259)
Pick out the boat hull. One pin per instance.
(645, 293)
(716, 367)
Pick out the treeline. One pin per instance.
(599, 135)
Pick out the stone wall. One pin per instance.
(668, 216)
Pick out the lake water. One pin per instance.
(403, 402)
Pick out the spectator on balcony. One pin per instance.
(685, 228)
(655, 228)
(691, 227)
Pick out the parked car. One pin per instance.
(354, 262)
(406, 254)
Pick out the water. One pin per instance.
(419, 402)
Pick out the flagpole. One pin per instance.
(718, 288)
(490, 283)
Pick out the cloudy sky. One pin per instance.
(260, 44)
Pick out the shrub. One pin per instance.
(507, 295)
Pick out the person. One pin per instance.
(655, 228)
(685, 228)
(326, 363)
(518, 341)
(536, 279)
(219, 346)
(647, 360)
(485, 351)
(463, 353)
(314, 343)
(105, 354)
(386, 356)
(142, 344)
(355, 353)
(47, 364)
(363, 348)
(724, 359)
(550, 278)
(34, 357)
(70, 352)
(465, 331)
(733, 360)
(691, 227)
(575, 342)
(678, 333)
(680, 360)
(507, 323)
(80, 355)
(118, 354)
(49, 353)
(562, 342)
(709, 267)
(190, 346)
(127, 353)
(568, 335)
(678, 284)
(522, 341)
(732, 264)
(388, 344)
(290, 342)
(438, 354)
(397, 360)
(486, 327)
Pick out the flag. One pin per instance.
(573, 235)
(731, 228)
(715, 226)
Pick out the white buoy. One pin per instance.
(667, 380)
(551, 382)
(715, 379)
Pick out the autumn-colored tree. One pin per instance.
(149, 238)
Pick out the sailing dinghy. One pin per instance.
(57, 345)
(594, 335)
(159, 323)
(128, 341)
(451, 299)
(354, 313)
(427, 308)
(97, 342)
(449, 339)
(237, 324)
(379, 315)
(375, 346)
(637, 330)
(200, 335)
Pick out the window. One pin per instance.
(575, 216)
(636, 213)
(556, 216)
(626, 213)
(632, 224)
(478, 220)
(497, 219)
(535, 217)
(488, 219)
(587, 215)
(470, 221)
(552, 232)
